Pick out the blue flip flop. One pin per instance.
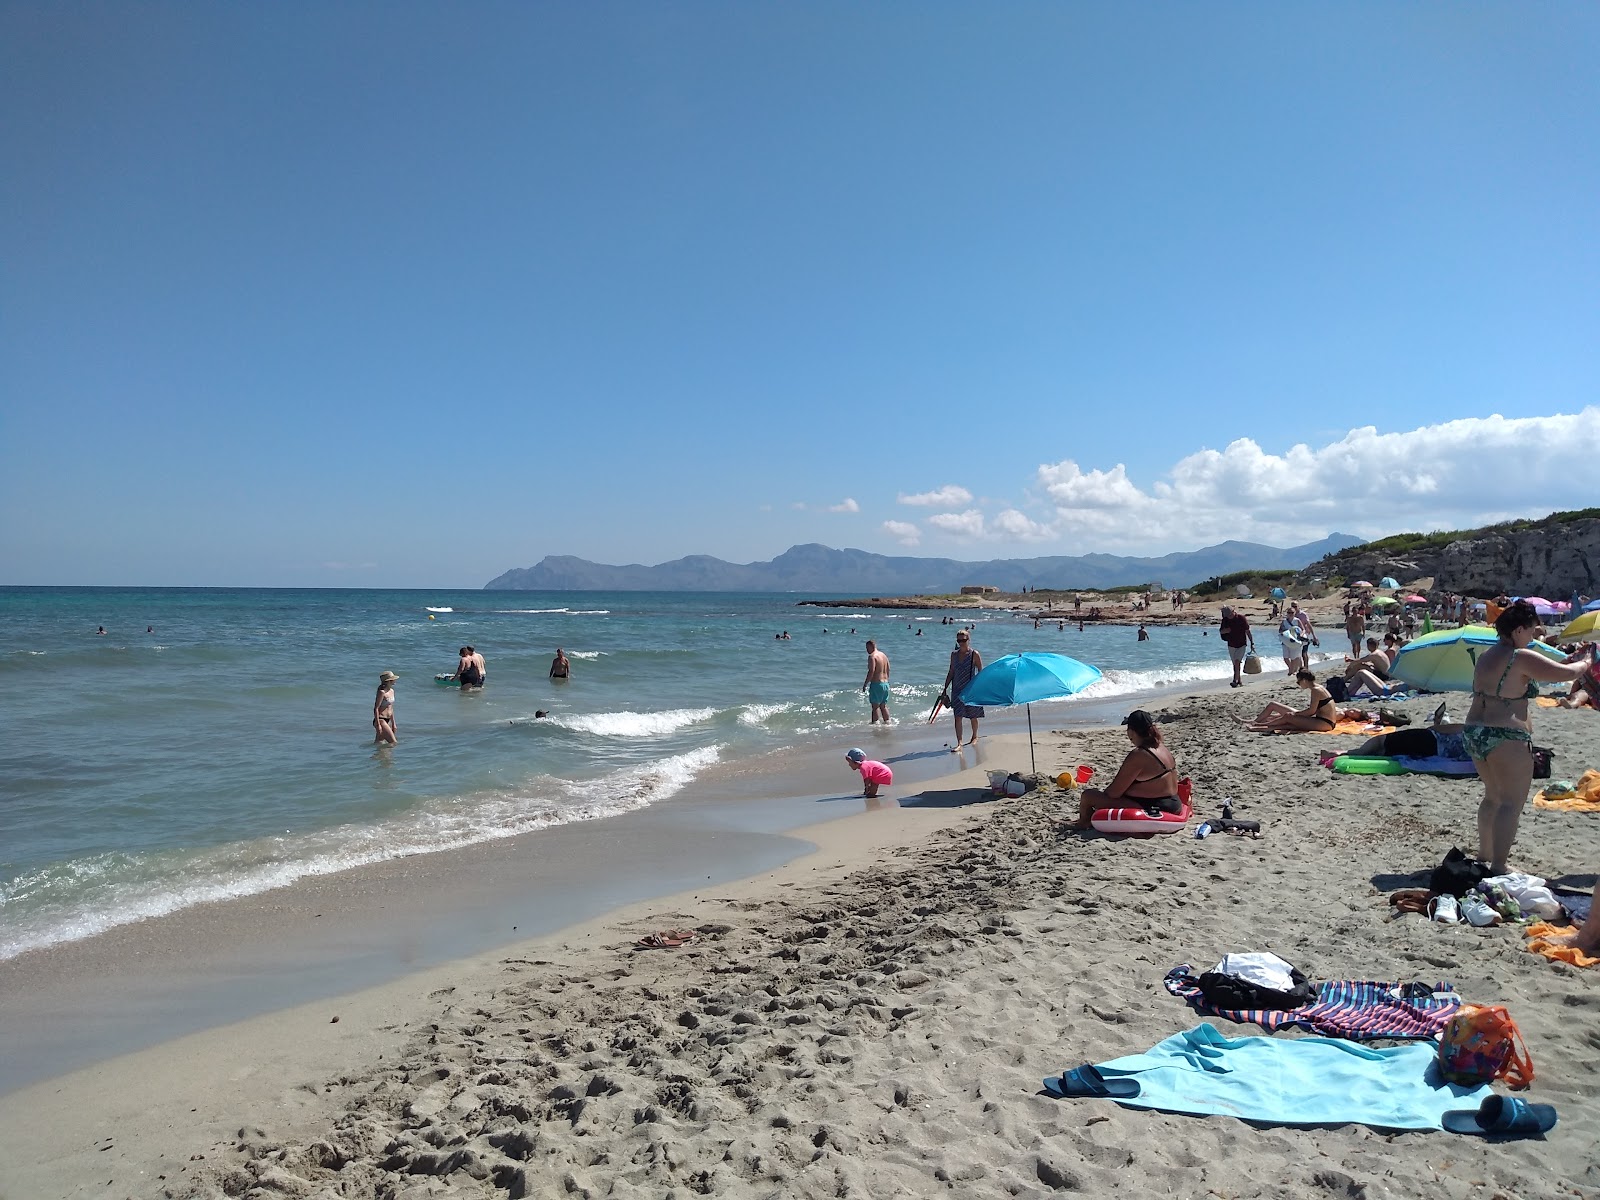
(1502, 1115)
(1087, 1081)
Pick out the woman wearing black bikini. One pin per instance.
(1147, 777)
(1319, 716)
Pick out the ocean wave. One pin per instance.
(584, 653)
(627, 724)
(111, 890)
(571, 612)
(757, 714)
(430, 608)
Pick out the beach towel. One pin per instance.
(1361, 1009)
(1371, 729)
(1547, 702)
(1539, 942)
(1585, 797)
(1293, 1081)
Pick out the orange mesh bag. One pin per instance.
(1482, 1044)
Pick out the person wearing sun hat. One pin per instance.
(383, 710)
(873, 774)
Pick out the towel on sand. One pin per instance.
(1352, 1008)
(1587, 798)
(1293, 1081)
(1539, 942)
(1371, 730)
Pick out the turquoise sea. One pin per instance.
(228, 750)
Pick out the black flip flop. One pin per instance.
(1502, 1116)
(1087, 1081)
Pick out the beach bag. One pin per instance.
(1457, 874)
(1482, 1044)
(1337, 689)
(1252, 665)
(1541, 761)
(1255, 981)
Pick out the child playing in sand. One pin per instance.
(873, 774)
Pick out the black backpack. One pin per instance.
(1229, 991)
(1458, 874)
(1337, 689)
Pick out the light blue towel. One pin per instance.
(1293, 1081)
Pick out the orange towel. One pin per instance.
(1538, 942)
(1586, 799)
(1547, 702)
(1357, 727)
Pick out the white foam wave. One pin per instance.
(249, 868)
(574, 612)
(633, 724)
(430, 608)
(757, 714)
(584, 653)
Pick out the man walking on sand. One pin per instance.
(1355, 628)
(876, 684)
(1235, 630)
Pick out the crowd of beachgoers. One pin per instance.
(877, 1018)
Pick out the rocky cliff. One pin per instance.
(1551, 558)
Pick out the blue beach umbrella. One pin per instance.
(1279, 594)
(1444, 661)
(1024, 678)
(1388, 581)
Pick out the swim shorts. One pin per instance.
(878, 692)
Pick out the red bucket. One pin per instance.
(1185, 789)
(1084, 772)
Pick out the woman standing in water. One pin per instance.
(965, 662)
(383, 710)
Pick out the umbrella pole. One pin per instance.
(1031, 761)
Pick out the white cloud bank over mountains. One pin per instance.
(1457, 474)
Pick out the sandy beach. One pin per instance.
(874, 1019)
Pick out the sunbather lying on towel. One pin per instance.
(1436, 741)
(1320, 714)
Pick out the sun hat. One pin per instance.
(855, 754)
(388, 677)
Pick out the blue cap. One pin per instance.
(855, 754)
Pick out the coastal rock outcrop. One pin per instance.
(1551, 558)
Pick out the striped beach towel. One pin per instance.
(1359, 1009)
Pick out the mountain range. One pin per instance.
(817, 568)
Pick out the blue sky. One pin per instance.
(408, 294)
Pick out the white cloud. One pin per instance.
(949, 496)
(847, 505)
(966, 525)
(1453, 475)
(1020, 527)
(798, 506)
(903, 532)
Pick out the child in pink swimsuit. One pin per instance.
(873, 774)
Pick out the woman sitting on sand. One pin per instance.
(1319, 715)
(1148, 776)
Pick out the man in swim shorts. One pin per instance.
(876, 684)
(560, 665)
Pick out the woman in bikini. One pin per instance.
(1499, 736)
(1319, 715)
(1148, 776)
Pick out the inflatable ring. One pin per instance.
(1139, 821)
